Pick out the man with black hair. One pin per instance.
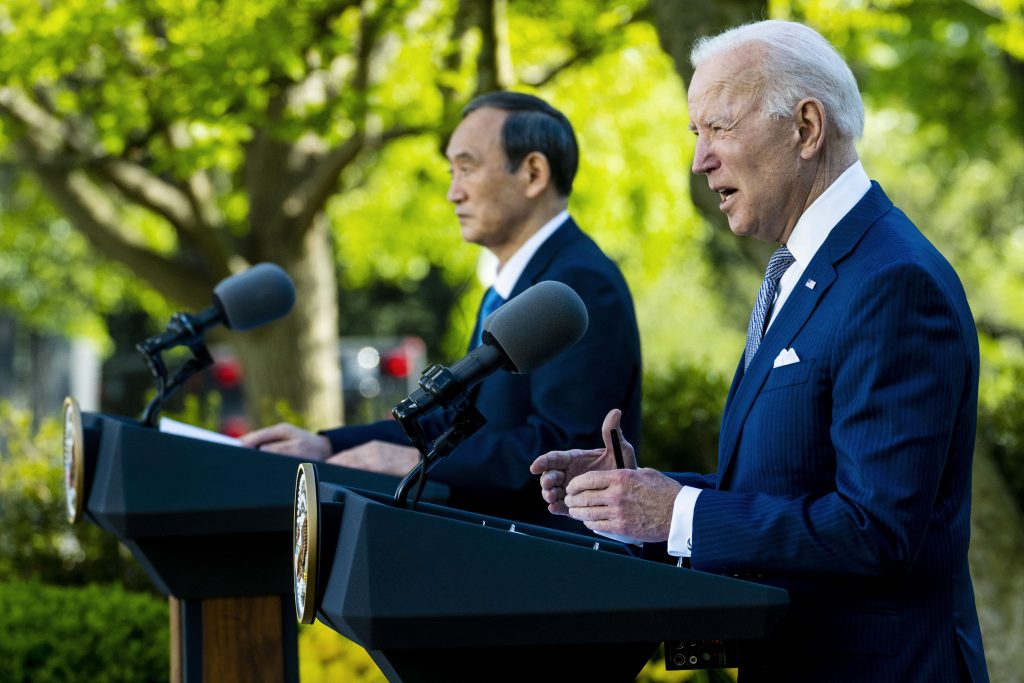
(512, 158)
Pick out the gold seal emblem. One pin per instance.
(305, 530)
(74, 460)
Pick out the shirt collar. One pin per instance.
(826, 211)
(509, 274)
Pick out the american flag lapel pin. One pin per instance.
(810, 284)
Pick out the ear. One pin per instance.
(537, 173)
(811, 122)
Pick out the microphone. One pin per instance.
(519, 336)
(241, 302)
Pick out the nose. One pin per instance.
(704, 161)
(456, 194)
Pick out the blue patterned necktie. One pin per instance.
(777, 265)
(492, 300)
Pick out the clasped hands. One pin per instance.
(629, 503)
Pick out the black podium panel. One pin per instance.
(433, 593)
(204, 519)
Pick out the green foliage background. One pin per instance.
(99, 633)
(944, 86)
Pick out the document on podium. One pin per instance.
(169, 426)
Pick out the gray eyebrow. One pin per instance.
(709, 122)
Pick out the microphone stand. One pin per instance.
(183, 329)
(467, 422)
(439, 382)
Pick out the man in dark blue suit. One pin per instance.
(845, 454)
(513, 159)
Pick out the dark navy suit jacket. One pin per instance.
(846, 477)
(561, 405)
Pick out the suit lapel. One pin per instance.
(542, 258)
(538, 265)
(792, 318)
(534, 270)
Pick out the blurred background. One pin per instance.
(150, 148)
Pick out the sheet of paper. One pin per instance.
(182, 429)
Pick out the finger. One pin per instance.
(586, 499)
(593, 513)
(555, 495)
(284, 448)
(558, 508)
(552, 460)
(561, 460)
(552, 479)
(262, 436)
(610, 526)
(611, 421)
(597, 479)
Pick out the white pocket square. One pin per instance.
(786, 357)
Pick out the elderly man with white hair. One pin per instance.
(844, 470)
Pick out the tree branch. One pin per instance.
(582, 54)
(311, 195)
(93, 212)
(488, 72)
(999, 331)
(53, 139)
(586, 48)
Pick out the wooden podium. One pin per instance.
(441, 595)
(212, 526)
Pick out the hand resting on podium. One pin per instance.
(287, 439)
(378, 456)
(373, 456)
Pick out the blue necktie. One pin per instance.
(492, 300)
(777, 265)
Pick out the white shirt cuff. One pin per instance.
(680, 534)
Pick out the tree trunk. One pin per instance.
(295, 359)
(678, 25)
(997, 566)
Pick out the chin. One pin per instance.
(740, 229)
(470, 235)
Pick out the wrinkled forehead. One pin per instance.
(732, 79)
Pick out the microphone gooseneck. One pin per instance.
(241, 302)
(520, 336)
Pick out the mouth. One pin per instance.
(724, 194)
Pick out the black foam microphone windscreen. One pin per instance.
(537, 325)
(256, 297)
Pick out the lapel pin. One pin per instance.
(810, 284)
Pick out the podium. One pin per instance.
(436, 594)
(211, 525)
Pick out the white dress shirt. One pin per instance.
(508, 275)
(809, 233)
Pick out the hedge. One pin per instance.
(97, 633)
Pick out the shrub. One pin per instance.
(682, 414)
(100, 634)
(1001, 428)
(326, 656)
(36, 541)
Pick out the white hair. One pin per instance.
(797, 63)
